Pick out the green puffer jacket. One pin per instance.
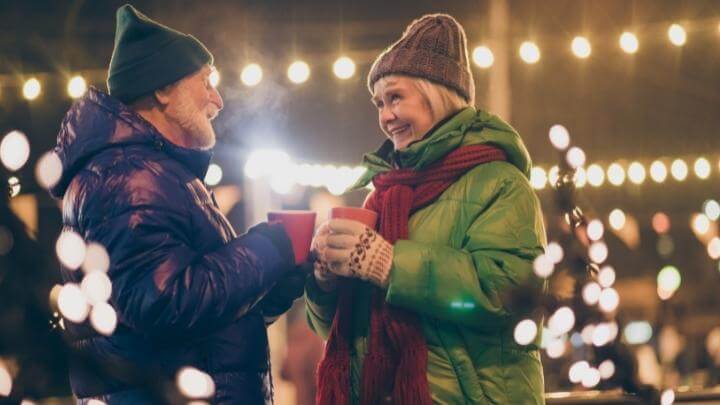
(478, 239)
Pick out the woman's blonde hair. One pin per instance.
(442, 100)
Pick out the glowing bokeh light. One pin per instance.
(529, 52)
(581, 47)
(251, 75)
(629, 42)
(483, 57)
(31, 89)
(194, 383)
(525, 332)
(72, 303)
(344, 68)
(591, 293)
(609, 300)
(48, 170)
(677, 35)
(595, 175)
(14, 150)
(70, 249)
(559, 137)
(76, 87)
(214, 175)
(298, 72)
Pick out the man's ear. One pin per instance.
(163, 95)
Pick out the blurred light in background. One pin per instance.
(214, 175)
(538, 178)
(713, 248)
(591, 293)
(668, 281)
(702, 168)
(14, 186)
(617, 219)
(543, 266)
(700, 224)
(483, 57)
(298, 72)
(214, 77)
(96, 258)
(575, 157)
(251, 75)
(606, 276)
(679, 169)
(658, 171)
(637, 332)
(667, 397)
(48, 169)
(553, 176)
(559, 137)
(577, 371)
(595, 175)
(76, 87)
(14, 150)
(711, 208)
(96, 287)
(609, 300)
(598, 252)
(607, 369)
(581, 47)
(677, 35)
(661, 223)
(31, 89)
(595, 230)
(636, 173)
(555, 252)
(629, 42)
(525, 332)
(580, 177)
(5, 380)
(103, 318)
(194, 383)
(562, 321)
(70, 249)
(529, 52)
(616, 174)
(72, 303)
(344, 68)
(591, 378)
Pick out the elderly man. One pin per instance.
(186, 289)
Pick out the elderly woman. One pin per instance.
(415, 312)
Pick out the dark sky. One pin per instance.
(661, 101)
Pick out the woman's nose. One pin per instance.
(386, 115)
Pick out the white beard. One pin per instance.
(198, 131)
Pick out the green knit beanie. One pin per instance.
(148, 56)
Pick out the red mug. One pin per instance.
(299, 226)
(362, 215)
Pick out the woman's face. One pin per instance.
(404, 114)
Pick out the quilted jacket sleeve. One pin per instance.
(466, 285)
(161, 283)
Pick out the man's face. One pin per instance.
(193, 103)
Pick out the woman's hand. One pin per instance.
(350, 249)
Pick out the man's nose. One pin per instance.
(216, 99)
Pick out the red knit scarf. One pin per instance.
(395, 366)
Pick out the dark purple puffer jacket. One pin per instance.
(186, 289)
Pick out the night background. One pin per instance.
(660, 103)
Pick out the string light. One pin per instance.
(577, 371)
(609, 300)
(595, 230)
(598, 252)
(298, 72)
(48, 169)
(713, 248)
(529, 52)
(661, 223)
(96, 258)
(72, 303)
(344, 68)
(5, 380)
(616, 174)
(638, 332)
(575, 157)
(483, 57)
(591, 293)
(103, 318)
(538, 178)
(251, 75)
(658, 171)
(559, 137)
(555, 252)
(581, 47)
(636, 173)
(31, 89)
(606, 369)
(700, 223)
(595, 175)
(616, 219)
(702, 168)
(14, 150)
(667, 397)
(711, 208)
(194, 383)
(543, 266)
(677, 35)
(562, 321)
(629, 42)
(97, 287)
(679, 169)
(669, 279)
(525, 332)
(76, 87)
(70, 249)
(606, 276)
